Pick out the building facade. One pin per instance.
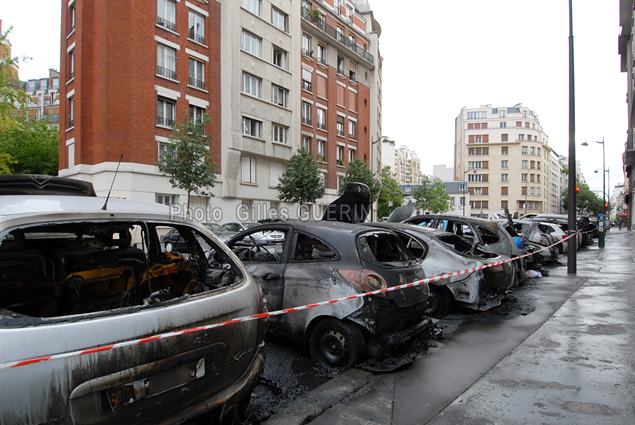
(44, 102)
(272, 76)
(504, 155)
(627, 53)
(407, 166)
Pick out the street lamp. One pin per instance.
(607, 202)
(601, 235)
(465, 187)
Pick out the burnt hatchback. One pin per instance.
(319, 261)
(81, 275)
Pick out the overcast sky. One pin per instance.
(440, 56)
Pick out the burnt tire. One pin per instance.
(336, 345)
(441, 302)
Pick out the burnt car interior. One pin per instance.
(249, 249)
(75, 268)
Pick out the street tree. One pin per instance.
(301, 183)
(5, 163)
(587, 202)
(31, 144)
(431, 196)
(12, 97)
(187, 161)
(390, 197)
(359, 172)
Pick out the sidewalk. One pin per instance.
(577, 367)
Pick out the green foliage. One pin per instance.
(5, 163)
(301, 182)
(12, 97)
(187, 160)
(359, 172)
(586, 201)
(390, 197)
(31, 144)
(431, 196)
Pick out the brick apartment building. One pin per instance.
(504, 156)
(130, 70)
(45, 101)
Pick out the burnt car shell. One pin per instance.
(351, 259)
(74, 276)
(444, 252)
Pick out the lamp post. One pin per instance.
(601, 225)
(526, 190)
(465, 188)
(607, 202)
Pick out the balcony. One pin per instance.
(165, 72)
(162, 22)
(165, 122)
(199, 84)
(339, 37)
(200, 39)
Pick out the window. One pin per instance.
(525, 163)
(504, 150)
(166, 15)
(523, 177)
(248, 170)
(165, 199)
(279, 19)
(524, 150)
(165, 112)
(474, 165)
(501, 113)
(197, 74)
(503, 124)
(252, 127)
(526, 125)
(532, 191)
(196, 114)
(504, 137)
(351, 155)
(477, 115)
(340, 34)
(340, 155)
(538, 153)
(162, 149)
(306, 143)
(321, 150)
(519, 123)
(504, 190)
(306, 45)
(279, 95)
(306, 113)
(475, 178)
(71, 59)
(352, 71)
(197, 27)
(351, 129)
(280, 58)
(280, 133)
(321, 118)
(252, 44)
(252, 85)
(504, 163)
(72, 18)
(504, 177)
(532, 150)
(532, 164)
(340, 126)
(340, 65)
(71, 112)
(306, 80)
(321, 53)
(166, 61)
(251, 5)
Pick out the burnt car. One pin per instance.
(319, 261)
(82, 274)
(263, 237)
(532, 232)
(444, 252)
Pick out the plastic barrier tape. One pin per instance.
(263, 315)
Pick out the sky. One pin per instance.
(441, 56)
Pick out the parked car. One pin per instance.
(556, 233)
(222, 233)
(262, 237)
(445, 252)
(82, 272)
(532, 232)
(493, 236)
(320, 260)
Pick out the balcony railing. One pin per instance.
(162, 22)
(196, 37)
(199, 84)
(339, 37)
(166, 72)
(165, 122)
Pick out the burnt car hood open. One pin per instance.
(352, 207)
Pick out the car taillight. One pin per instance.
(365, 280)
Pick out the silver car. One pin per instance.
(82, 274)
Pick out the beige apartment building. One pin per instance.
(504, 156)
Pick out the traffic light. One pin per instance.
(606, 206)
(577, 190)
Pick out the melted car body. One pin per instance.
(79, 274)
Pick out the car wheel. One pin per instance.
(335, 344)
(441, 302)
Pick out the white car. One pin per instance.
(557, 233)
(80, 274)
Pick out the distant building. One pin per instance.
(504, 155)
(407, 166)
(456, 189)
(44, 102)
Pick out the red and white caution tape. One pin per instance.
(262, 315)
